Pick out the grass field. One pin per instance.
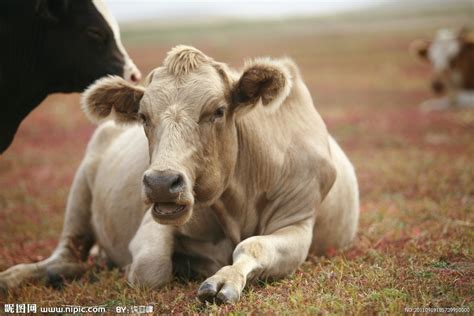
(415, 246)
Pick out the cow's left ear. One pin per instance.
(419, 48)
(263, 80)
(52, 10)
(112, 96)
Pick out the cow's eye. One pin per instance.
(96, 34)
(218, 113)
(143, 119)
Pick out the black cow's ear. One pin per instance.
(265, 80)
(112, 96)
(52, 10)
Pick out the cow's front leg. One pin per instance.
(465, 99)
(436, 104)
(67, 260)
(274, 255)
(152, 251)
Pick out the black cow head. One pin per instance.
(54, 46)
(81, 43)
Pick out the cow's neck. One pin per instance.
(257, 164)
(19, 98)
(270, 151)
(23, 49)
(20, 92)
(16, 105)
(256, 170)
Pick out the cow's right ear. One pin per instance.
(419, 48)
(112, 96)
(264, 81)
(52, 10)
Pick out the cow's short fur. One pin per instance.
(263, 183)
(53, 46)
(451, 55)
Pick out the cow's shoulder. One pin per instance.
(307, 153)
(310, 161)
(103, 137)
(105, 134)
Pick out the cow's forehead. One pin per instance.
(444, 48)
(191, 92)
(101, 6)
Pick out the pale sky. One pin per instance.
(169, 10)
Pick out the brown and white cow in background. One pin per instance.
(210, 172)
(451, 54)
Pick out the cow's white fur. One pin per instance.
(183, 59)
(463, 99)
(130, 70)
(443, 49)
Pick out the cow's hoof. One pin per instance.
(58, 273)
(218, 292)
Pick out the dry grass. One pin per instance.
(415, 247)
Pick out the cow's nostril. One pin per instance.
(163, 185)
(146, 180)
(135, 77)
(177, 184)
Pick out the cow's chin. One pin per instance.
(171, 213)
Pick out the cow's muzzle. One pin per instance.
(168, 192)
(131, 72)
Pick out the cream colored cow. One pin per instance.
(230, 176)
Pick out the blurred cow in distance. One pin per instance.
(451, 54)
(53, 46)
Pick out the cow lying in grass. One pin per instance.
(452, 56)
(211, 173)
